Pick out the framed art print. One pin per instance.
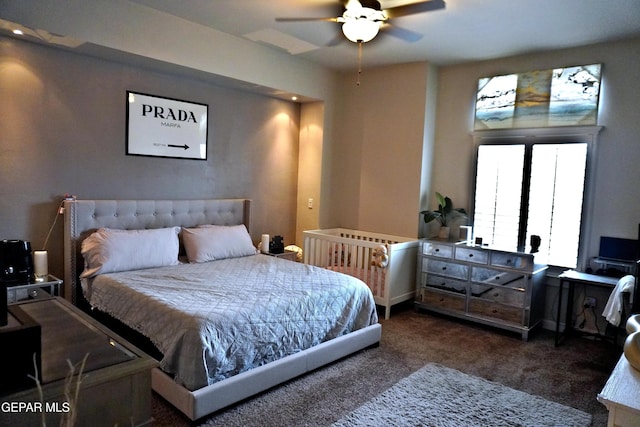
(567, 96)
(165, 127)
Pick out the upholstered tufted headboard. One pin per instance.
(82, 217)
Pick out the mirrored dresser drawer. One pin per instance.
(489, 286)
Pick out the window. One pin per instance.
(532, 186)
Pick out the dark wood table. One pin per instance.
(116, 380)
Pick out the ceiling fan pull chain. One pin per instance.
(359, 62)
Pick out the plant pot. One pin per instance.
(444, 232)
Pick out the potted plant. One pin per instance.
(444, 215)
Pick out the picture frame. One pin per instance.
(166, 127)
(563, 96)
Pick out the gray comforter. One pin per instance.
(217, 319)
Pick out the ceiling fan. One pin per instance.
(362, 19)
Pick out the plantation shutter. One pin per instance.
(551, 178)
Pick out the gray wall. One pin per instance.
(62, 130)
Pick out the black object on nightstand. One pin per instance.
(276, 246)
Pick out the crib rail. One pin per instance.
(352, 251)
(366, 236)
(346, 254)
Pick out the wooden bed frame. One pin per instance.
(82, 217)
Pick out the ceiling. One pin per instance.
(465, 30)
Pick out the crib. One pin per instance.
(361, 254)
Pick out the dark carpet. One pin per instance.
(572, 374)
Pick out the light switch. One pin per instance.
(310, 203)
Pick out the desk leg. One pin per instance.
(568, 326)
(559, 312)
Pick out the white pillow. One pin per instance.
(110, 250)
(212, 242)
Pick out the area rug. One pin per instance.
(439, 396)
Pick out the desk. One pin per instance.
(571, 277)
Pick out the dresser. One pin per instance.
(116, 379)
(485, 285)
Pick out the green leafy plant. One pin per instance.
(445, 212)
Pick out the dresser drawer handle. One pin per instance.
(437, 250)
(444, 268)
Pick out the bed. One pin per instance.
(386, 263)
(340, 317)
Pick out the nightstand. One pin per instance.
(45, 289)
(116, 381)
(289, 255)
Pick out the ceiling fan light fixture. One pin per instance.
(360, 30)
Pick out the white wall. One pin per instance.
(134, 29)
(309, 169)
(381, 136)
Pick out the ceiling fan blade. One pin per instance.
(306, 19)
(339, 38)
(401, 33)
(412, 9)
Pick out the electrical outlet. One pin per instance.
(589, 302)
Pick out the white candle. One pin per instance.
(264, 247)
(41, 268)
(468, 230)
